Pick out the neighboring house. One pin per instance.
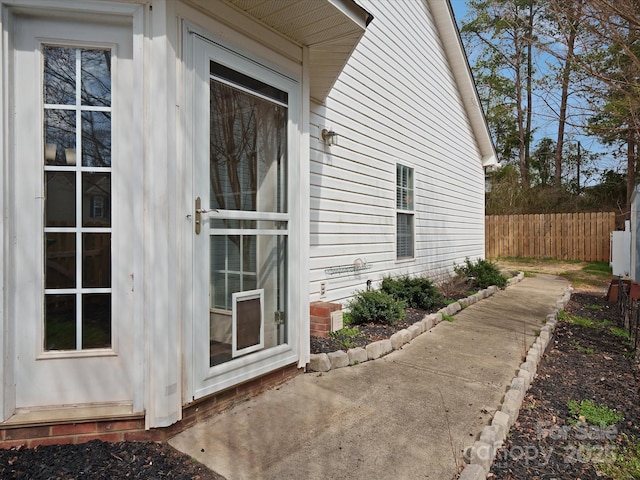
(180, 179)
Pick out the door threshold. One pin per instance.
(52, 415)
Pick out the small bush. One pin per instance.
(482, 273)
(456, 287)
(415, 292)
(347, 337)
(377, 307)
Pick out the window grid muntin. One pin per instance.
(227, 272)
(79, 230)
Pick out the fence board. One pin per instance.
(564, 236)
(583, 230)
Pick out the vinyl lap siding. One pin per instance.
(395, 102)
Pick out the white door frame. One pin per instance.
(131, 15)
(200, 380)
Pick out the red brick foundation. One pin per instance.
(321, 318)
(132, 428)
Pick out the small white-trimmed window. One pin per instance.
(404, 213)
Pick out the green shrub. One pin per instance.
(347, 337)
(377, 307)
(482, 273)
(415, 292)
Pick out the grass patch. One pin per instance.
(620, 332)
(582, 322)
(579, 273)
(535, 261)
(593, 307)
(581, 349)
(598, 267)
(624, 461)
(529, 275)
(447, 317)
(586, 278)
(594, 413)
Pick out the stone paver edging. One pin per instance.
(323, 362)
(482, 454)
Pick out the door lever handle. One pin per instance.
(199, 212)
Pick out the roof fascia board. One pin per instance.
(353, 11)
(452, 43)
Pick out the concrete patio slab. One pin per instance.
(410, 414)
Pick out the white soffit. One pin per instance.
(330, 28)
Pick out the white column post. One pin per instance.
(163, 359)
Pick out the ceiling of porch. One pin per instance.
(330, 28)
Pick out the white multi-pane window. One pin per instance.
(77, 223)
(404, 212)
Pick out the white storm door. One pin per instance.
(72, 202)
(244, 127)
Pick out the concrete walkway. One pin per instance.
(407, 415)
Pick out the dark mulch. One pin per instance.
(371, 332)
(543, 444)
(100, 460)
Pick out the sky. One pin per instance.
(459, 8)
(550, 129)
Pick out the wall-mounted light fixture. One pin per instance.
(329, 137)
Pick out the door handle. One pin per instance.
(198, 215)
(199, 212)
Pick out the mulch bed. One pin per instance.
(542, 444)
(371, 332)
(582, 363)
(100, 460)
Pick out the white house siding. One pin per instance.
(395, 102)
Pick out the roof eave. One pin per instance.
(330, 29)
(444, 19)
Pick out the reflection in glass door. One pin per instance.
(248, 219)
(77, 228)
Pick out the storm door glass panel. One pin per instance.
(77, 210)
(248, 164)
(248, 144)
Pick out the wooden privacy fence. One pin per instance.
(563, 236)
